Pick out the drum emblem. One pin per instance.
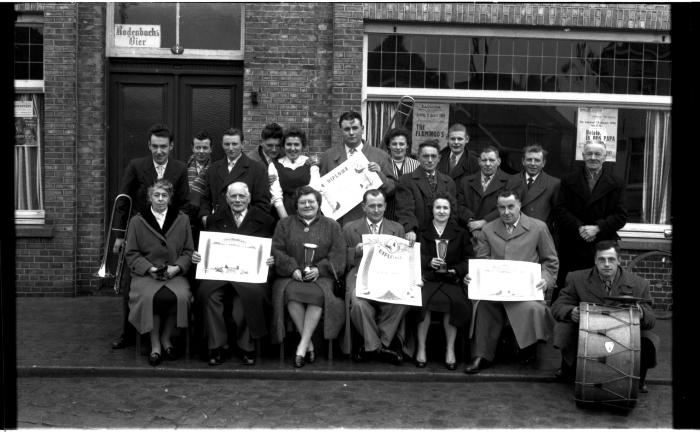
(609, 346)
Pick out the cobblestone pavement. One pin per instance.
(100, 402)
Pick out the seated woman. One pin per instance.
(291, 171)
(306, 285)
(442, 278)
(159, 252)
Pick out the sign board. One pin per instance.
(597, 124)
(24, 109)
(137, 35)
(430, 121)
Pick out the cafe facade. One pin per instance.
(91, 77)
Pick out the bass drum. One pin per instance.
(607, 369)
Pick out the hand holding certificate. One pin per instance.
(233, 257)
(505, 280)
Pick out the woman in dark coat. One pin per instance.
(159, 252)
(442, 279)
(307, 291)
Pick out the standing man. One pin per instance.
(351, 127)
(414, 196)
(210, 185)
(455, 159)
(377, 322)
(269, 149)
(537, 188)
(606, 278)
(514, 236)
(139, 175)
(477, 194)
(201, 156)
(590, 208)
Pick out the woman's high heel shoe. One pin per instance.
(299, 361)
(421, 364)
(310, 357)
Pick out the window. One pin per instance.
(29, 113)
(185, 30)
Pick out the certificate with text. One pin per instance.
(389, 271)
(342, 188)
(232, 257)
(504, 280)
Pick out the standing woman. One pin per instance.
(159, 252)
(442, 278)
(290, 172)
(307, 292)
(398, 144)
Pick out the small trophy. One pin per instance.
(441, 249)
(309, 251)
(314, 159)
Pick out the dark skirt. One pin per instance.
(303, 292)
(446, 297)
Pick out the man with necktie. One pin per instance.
(139, 175)
(376, 322)
(455, 159)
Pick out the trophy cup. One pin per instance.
(441, 249)
(309, 251)
(314, 159)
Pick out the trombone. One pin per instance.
(102, 271)
(403, 112)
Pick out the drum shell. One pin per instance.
(608, 361)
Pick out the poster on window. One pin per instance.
(25, 123)
(430, 121)
(233, 257)
(343, 187)
(597, 124)
(382, 275)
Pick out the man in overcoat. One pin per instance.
(590, 208)
(455, 159)
(377, 322)
(537, 188)
(515, 236)
(269, 149)
(594, 285)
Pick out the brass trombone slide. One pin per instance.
(404, 109)
(102, 272)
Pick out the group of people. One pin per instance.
(567, 226)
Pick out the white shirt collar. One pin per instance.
(164, 165)
(534, 177)
(160, 217)
(232, 163)
(378, 224)
(357, 148)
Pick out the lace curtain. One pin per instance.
(379, 113)
(28, 143)
(656, 195)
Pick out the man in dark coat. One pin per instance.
(455, 159)
(210, 186)
(593, 285)
(249, 299)
(140, 174)
(269, 149)
(590, 208)
(414, 196)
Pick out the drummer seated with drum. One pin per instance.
(606, 284)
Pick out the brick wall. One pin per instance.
(608, 16)
(658, 270)
(288, 55)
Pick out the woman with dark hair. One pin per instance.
(159, 252)
(291, 171)
(309, 249)
(398, 145)
(445, 250)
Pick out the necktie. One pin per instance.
(431, 180)
(453, 161)
(230, 166)
(160, 169)
(351, 151)
(510, 228)
(530, 180)
(485, 182)
(399, 171)
(238, 218)
(608, 286)
(373, 228)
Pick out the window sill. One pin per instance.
(645, 244)
(33, 231)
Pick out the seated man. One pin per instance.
(514, 236)
(377, 322)
(592, 285)
(248, 299)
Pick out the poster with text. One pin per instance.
(430, 121)
(232, 257)
(342, 188)
(597, 124)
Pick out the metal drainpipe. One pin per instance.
(75, 156)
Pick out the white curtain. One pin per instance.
(379, 114)
(656, 196)
(28, 143)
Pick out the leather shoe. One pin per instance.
(565, 373)
(390, 356)
(299, 361)
(248, 359)
(170, 354)
(421, 364)
(121, 343)
(476, 365)
(154, 359)
(215, 357)
(310, 357)
(451, 366)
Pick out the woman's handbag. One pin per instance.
(338, 284)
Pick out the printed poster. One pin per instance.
(597, 123)
(390, 270)
(343, 187)
(504, 280)
(232, 257)
(430, 121)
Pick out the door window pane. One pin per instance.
(28, 146)
(162, 14)
(210, 26)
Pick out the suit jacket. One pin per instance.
(476, 203)
(140, 174)
(538, 201)
(336, 155)
(414, 198)
(217, 178)
(256, 155)
(468, 164)
(577, 205)
(255, 223)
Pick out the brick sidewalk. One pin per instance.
(64, 335)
